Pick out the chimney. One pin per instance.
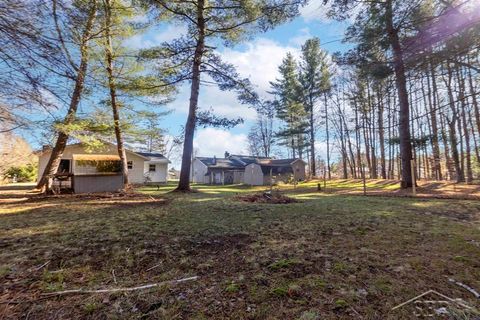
(227, 154)
(214, 160)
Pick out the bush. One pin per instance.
(25, 173)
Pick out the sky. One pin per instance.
(257, 59)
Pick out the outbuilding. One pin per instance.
(267, 171)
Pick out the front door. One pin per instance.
(218, 177)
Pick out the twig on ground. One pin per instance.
(466, 287)
(155, 266)
(438, 294)
(147, 286)
(43, 265)
(356, 312)
(114, 278)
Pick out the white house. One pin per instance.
(143, 167)
(245, 169)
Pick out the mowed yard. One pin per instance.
(329, 256)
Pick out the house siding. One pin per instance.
(254, 175)
(98, 183)
(135, 175)
(199, 171)
(159, 175)
(298, 167)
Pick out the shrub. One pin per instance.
(25, 173)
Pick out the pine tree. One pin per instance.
(289, 104)
(193, 55)
(314, 76)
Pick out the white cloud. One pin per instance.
(211, 141)
(315, 10)
(223, 103)
(259, 61)
(155, 36)
(303, 36)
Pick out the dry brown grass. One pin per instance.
(328, 256)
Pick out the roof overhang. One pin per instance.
(166, 161)
(96, 157)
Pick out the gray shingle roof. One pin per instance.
(248, 159)
(152, 155)
(239, 162)
(221, 163)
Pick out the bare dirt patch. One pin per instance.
(267, 197)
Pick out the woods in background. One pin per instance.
(408, 90)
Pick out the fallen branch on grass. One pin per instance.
(43, 265)
(147, 286)
(464, 286)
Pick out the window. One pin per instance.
(130, 165)
(64, 166)
(152, 168)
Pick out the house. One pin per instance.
(266, 171)
(217, 171)
(77, 160)
(244, 169)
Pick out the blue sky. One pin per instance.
(257, 59)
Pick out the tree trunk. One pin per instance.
(448, 159)
(404, 112)
(460, 177)
(313, 171)
(328, 137)
(463, 104)
(357, 140)
(381, 136)
(432, 101)
(184, 183)
(57, 151)
(113, 92)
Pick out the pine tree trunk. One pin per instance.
(445, 139)
(184, 183)
(57, 151)
(433, 103)
(476, 109)
(463, 104)
(460, 177)
(313, 171)
(381, 136)
(328, 137)
(113, 93)
(404, 112)
(357, 141)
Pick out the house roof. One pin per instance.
(148, 156)
(248, 159)
(221, 163)
(152, 156)
(277, 162)
(97, 157)
(240, 161)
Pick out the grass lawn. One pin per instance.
(328, 256)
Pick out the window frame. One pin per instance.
(150, 167)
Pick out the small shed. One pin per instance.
(96, 173)
(262, 172)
